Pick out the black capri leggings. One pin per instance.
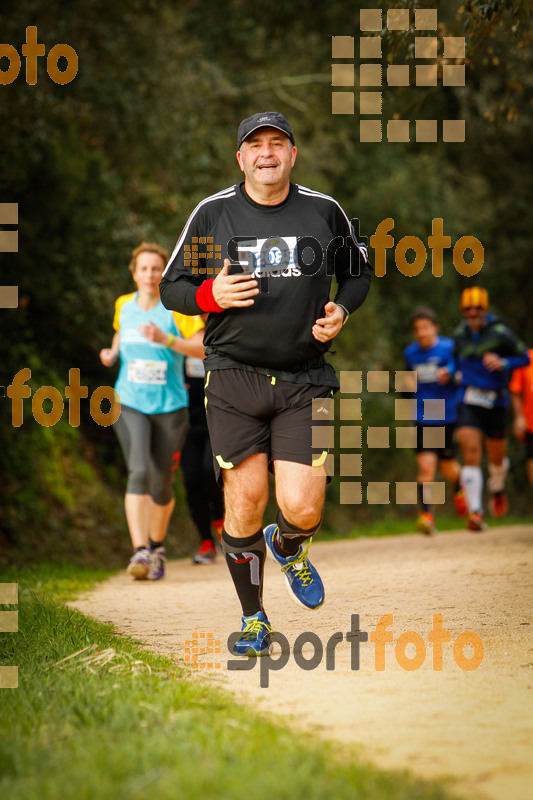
(151, 444)
(204, 495)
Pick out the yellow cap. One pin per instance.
(475, 296)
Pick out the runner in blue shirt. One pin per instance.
(486, 351)
(431, 357)
(151, 342)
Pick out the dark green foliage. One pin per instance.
(148, 127)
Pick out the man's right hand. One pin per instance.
(234, 291)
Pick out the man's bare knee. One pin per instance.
(246, 494)
(304, 516)
(246, 502)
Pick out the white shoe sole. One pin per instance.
(202, 560)
(299, 602)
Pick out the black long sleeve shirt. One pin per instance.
(294, 248)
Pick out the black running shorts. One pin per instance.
(446, 453)
(248, 413)
(490, 421)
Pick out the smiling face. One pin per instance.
(148, 273)
(266, 157)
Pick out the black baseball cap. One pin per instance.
(265, 119)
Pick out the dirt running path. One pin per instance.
(475, 726)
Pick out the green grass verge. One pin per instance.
(138, 727)
(59, 582)
(396, 527)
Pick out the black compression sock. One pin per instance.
(142, 547)
(246, 561)
(289, 538)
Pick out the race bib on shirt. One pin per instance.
(194, 367)
(485, 398)
(426, 373)
(154, 372)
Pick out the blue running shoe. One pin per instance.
(304, 584)
(255, 639)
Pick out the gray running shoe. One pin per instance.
(158, 556)
(139, 565)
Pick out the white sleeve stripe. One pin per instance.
(224, 193)
(311, 193)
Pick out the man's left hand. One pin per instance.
(328, 327)
(493, 362)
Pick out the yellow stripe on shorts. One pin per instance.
(224, 464)
(319, 460)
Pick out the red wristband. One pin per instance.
(204, 297)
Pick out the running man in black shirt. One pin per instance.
(270, 323)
